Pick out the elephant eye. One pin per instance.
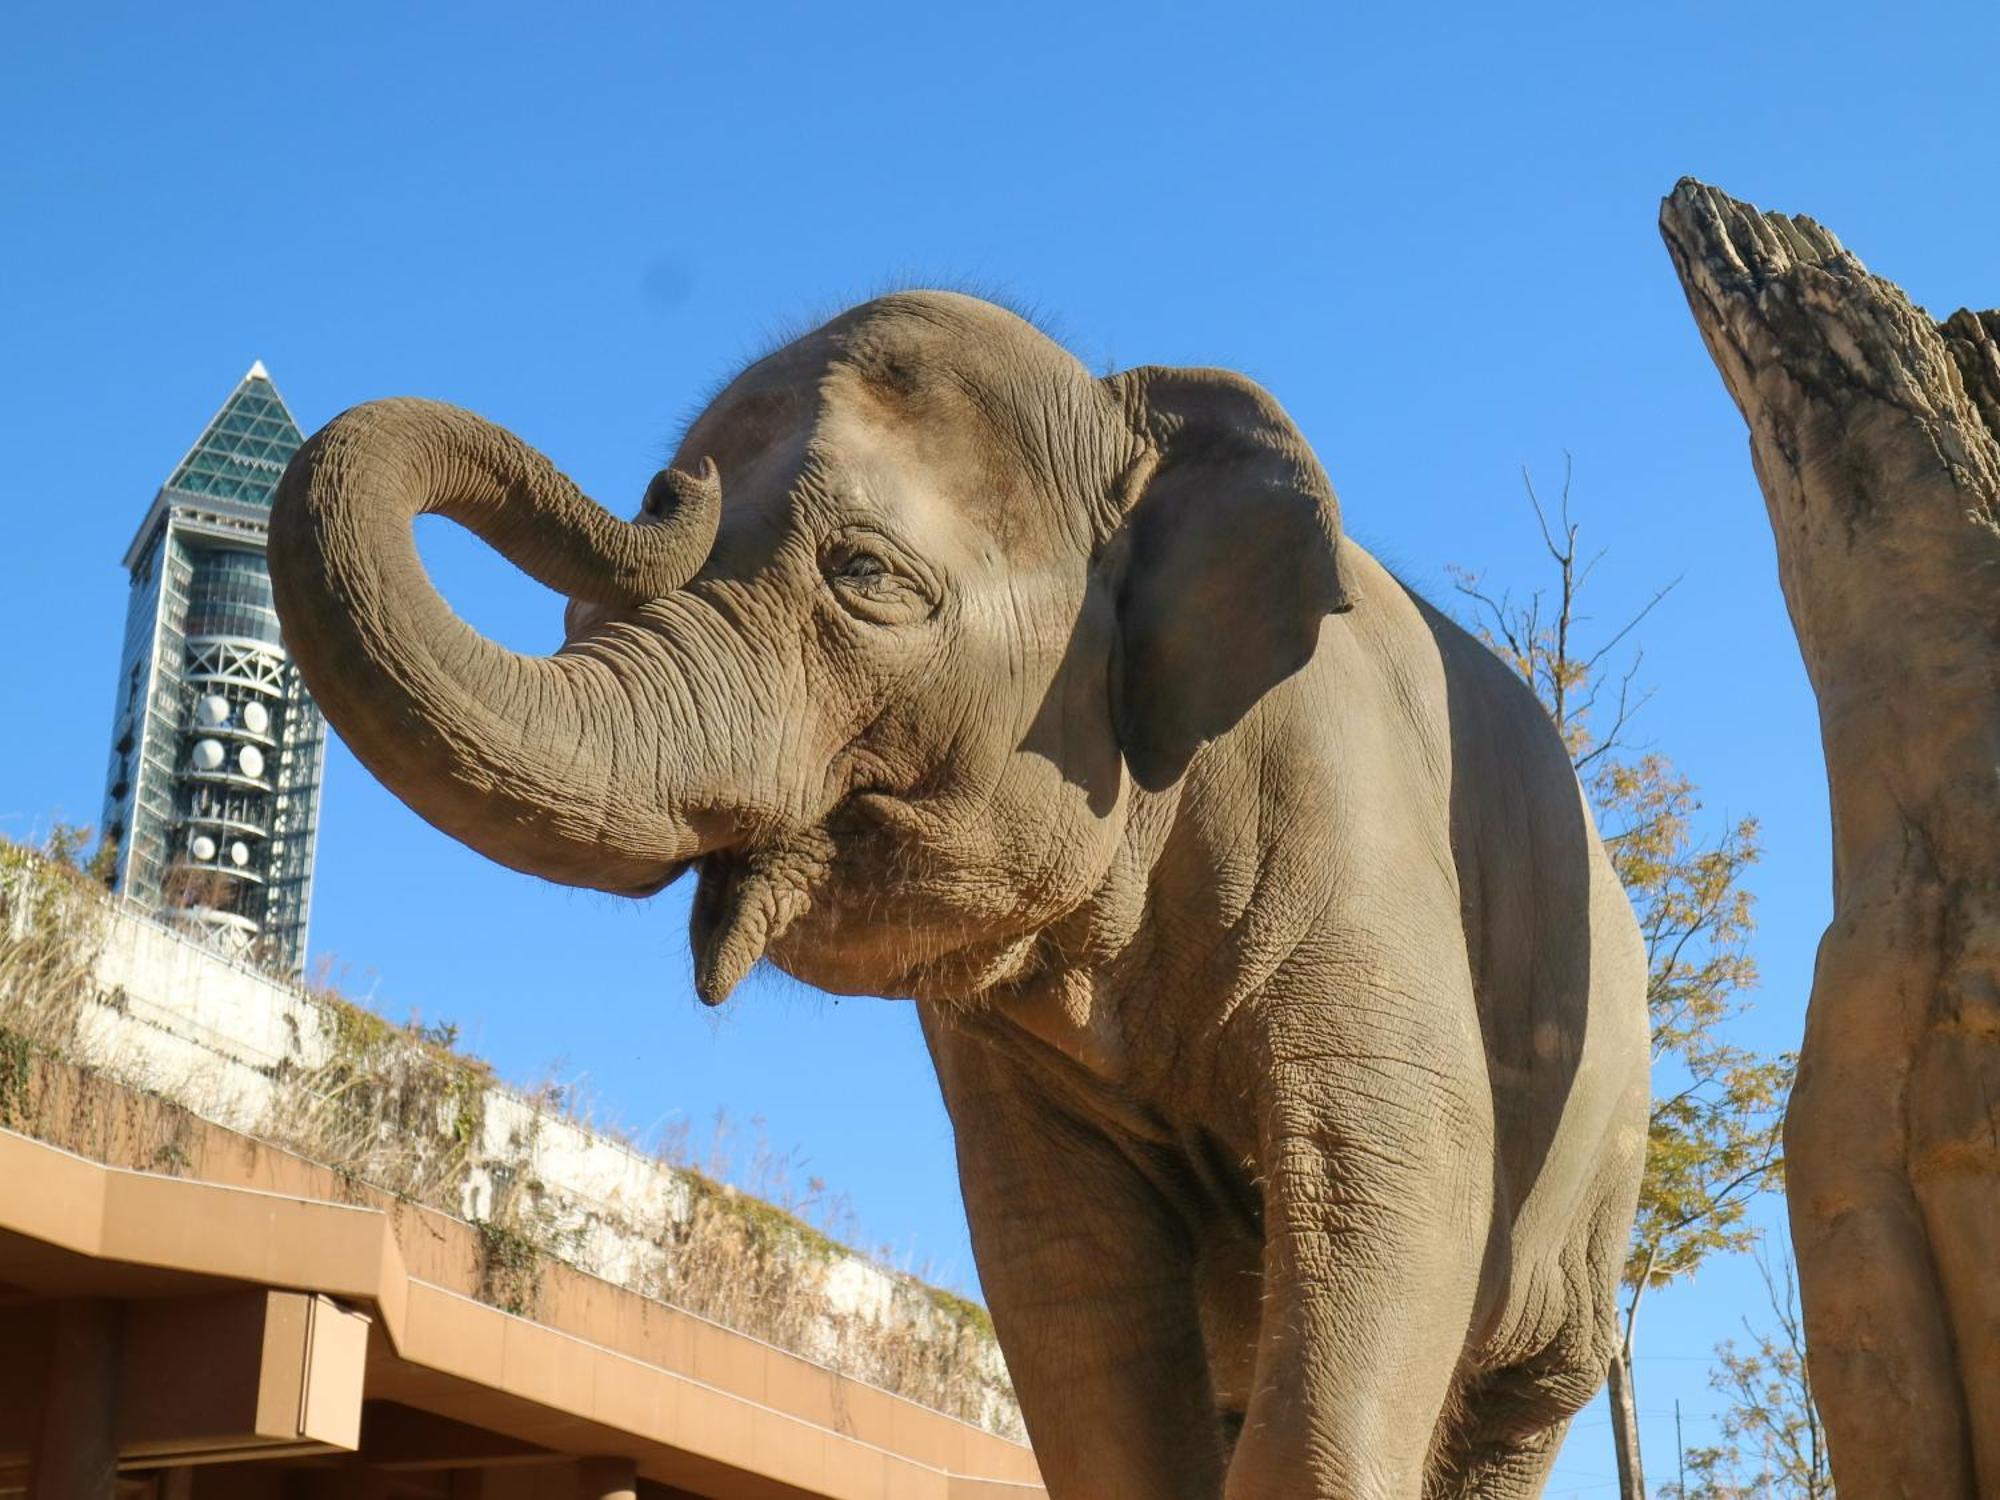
(873, 579)
(861, 565)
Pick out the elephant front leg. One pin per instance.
(1373, 1244)
(1095, 1309)
(1091, 1282)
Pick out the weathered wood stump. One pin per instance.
(1876, 437)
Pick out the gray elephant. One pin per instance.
(1288, 1013)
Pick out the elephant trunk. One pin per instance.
(529, 760)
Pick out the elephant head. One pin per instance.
(884, 656)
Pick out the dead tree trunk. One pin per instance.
(1876, 438)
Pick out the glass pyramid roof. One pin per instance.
(245, 447)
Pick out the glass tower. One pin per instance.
(211, 806)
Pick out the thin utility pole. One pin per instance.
(1680, 1452)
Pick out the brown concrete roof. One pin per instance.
(600, 1370)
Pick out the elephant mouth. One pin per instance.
(716, 912)
(744, 902)
(717, 877)
(716, 918)
(654, 887)
(747, 895)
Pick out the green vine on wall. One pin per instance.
(510, 1267)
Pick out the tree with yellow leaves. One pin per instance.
(1713, 1137)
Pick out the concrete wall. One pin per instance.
(246, 1051)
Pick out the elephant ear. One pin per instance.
(1230, 560)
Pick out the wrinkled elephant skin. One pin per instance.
(1288, 1013)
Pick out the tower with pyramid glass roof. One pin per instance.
(212, 799)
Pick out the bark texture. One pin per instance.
(1876, 437)
(1625, 1425)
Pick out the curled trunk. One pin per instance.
(527, 759)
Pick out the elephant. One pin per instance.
(1286, 1007)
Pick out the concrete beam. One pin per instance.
(249, 1374)
(157, 1383)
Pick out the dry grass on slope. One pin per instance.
(400, 1109)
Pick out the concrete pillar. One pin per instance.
(76, 1447)
(607, 1479)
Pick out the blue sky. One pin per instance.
(1429, 230)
